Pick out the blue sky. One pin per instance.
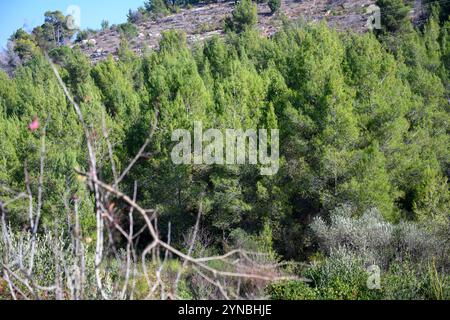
(27, 14)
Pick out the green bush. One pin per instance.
(405, 281)
(394, 14)
(244, 16)
(274, 5)
(82, 35)
(341, 277)
(128, 29)
(291, 290)
(375, 240)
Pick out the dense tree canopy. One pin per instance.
(363, 120)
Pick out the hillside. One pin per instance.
(206, 20)
(276, 161)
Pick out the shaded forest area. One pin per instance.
(363, 179)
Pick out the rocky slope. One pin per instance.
(203, 21)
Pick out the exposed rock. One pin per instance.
(206, 20)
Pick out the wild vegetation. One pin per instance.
(363, 180)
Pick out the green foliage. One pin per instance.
(405, 282)
(24, 45)
(54, 32)
(105, 25)
(341, 277)
(117, 91)
(82, 35)
(374, 240)
(363, 129)
(244, 16)
(370, 186)
(433, 198)
(274, 5)
(394, 14)
(129, 30)
(157, 8)
(344, 277)
(291, 290)
(441, 7)
(76, 65)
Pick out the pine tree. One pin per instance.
(244, 16)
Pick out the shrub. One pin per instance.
(48, 249)
(135, 16)
(244, 16)
(128, 29)
(379, 242)
(405, 282)
(342, 276)
(157, 8)
(291, 290)
(394, 14)
(370, 236)
(105, 25)
(82, 35)
(274, 5)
